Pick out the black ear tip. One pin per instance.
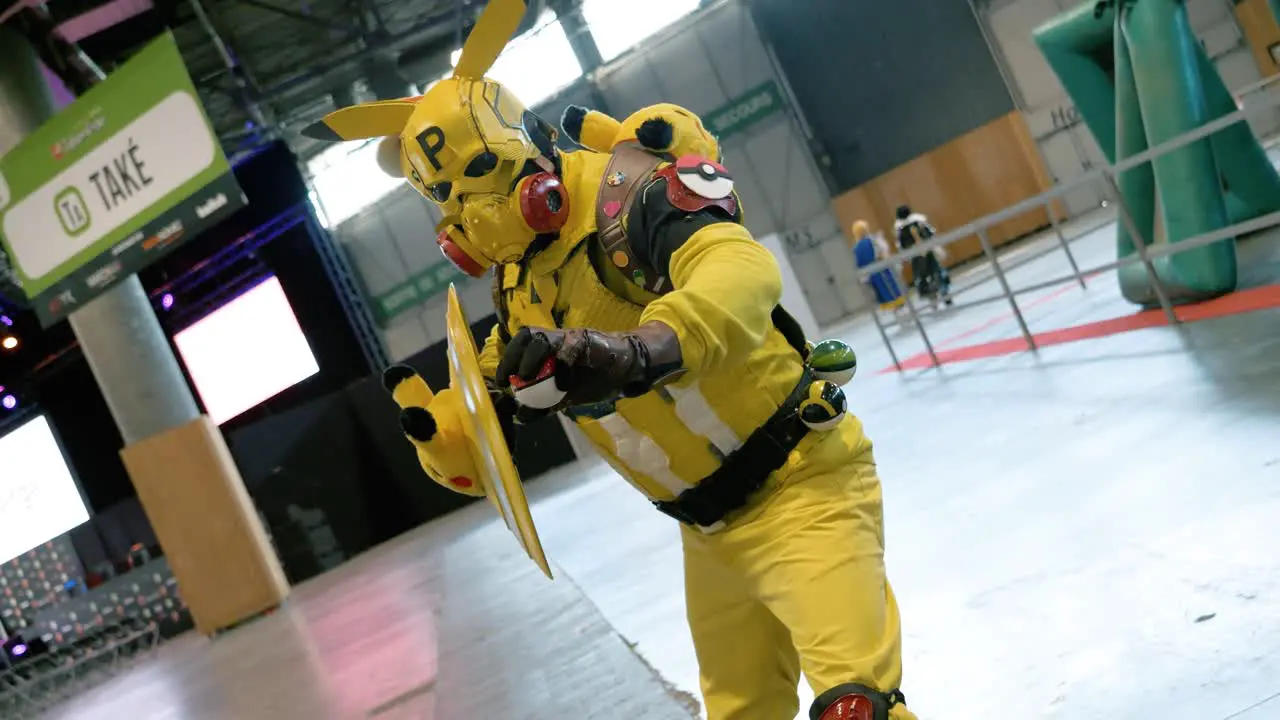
(656, 133)
(418, 423)
(571, 121)
(394, 375)
(319, 130)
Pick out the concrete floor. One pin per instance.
(451, 621)
(1084, 532)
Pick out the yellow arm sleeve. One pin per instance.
(491, 353)
(726, 286)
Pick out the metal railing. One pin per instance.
(31, 688)
(1254, 100)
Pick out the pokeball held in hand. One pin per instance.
(541, 392)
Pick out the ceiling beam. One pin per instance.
(76, 70)
(301, 16)
(433, 24)
(248, 92)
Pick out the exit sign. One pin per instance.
(750, 108)
(415, 291)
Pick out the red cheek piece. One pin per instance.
(460, 481)
(541, 392)
(458, 256)
(544, 204)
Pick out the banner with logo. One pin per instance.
(114, 182)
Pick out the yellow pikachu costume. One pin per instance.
(624, 275)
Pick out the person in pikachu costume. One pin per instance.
(624, 276)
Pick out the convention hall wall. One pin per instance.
(705, 64)
(882, 83)
(925, 118)
(1067, 146)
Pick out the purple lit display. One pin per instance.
(166, 301)
(62, 97)
(18, 650)
(9, 402)
(6, 321)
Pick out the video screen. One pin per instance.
(246, 352)
(39, 498)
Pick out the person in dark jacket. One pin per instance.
(929, 276)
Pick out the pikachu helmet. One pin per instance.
(470, 146)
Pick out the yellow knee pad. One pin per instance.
(856, 702)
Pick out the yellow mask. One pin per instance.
(466, 144)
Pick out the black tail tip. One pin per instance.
(418, 423)
(394, 375)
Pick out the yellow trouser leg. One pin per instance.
(812, 552)
(749, 669)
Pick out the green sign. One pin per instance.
(745, 110)
(118, 179)
(414, 291)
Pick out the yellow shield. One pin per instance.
(498, 473)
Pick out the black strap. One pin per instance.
(746, 469)
(628, 173)
(500, 304)
(791, 330)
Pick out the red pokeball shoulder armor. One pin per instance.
(695, 183)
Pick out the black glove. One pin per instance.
(593, 366)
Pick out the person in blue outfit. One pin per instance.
(866, 250)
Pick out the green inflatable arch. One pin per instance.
(1139, 77)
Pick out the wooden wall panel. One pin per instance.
(974, 175)
(188, 484)
(1262, 32)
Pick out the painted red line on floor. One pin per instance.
(1007, 316)
(1244, 301)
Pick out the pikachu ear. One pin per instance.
(389, 154)
(599, 131)
(364, 121)
(492, 32)
(657, 134)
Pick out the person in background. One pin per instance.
(930, 277)
(868, 249)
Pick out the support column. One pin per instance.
(186, 480)
(584, 47)
(130, 357)
(579, 34)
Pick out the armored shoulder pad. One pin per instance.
(680, 200)
(695, 183)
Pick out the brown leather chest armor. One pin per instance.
(629, 170)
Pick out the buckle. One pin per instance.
(673, 509)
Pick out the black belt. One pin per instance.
(746, 469)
